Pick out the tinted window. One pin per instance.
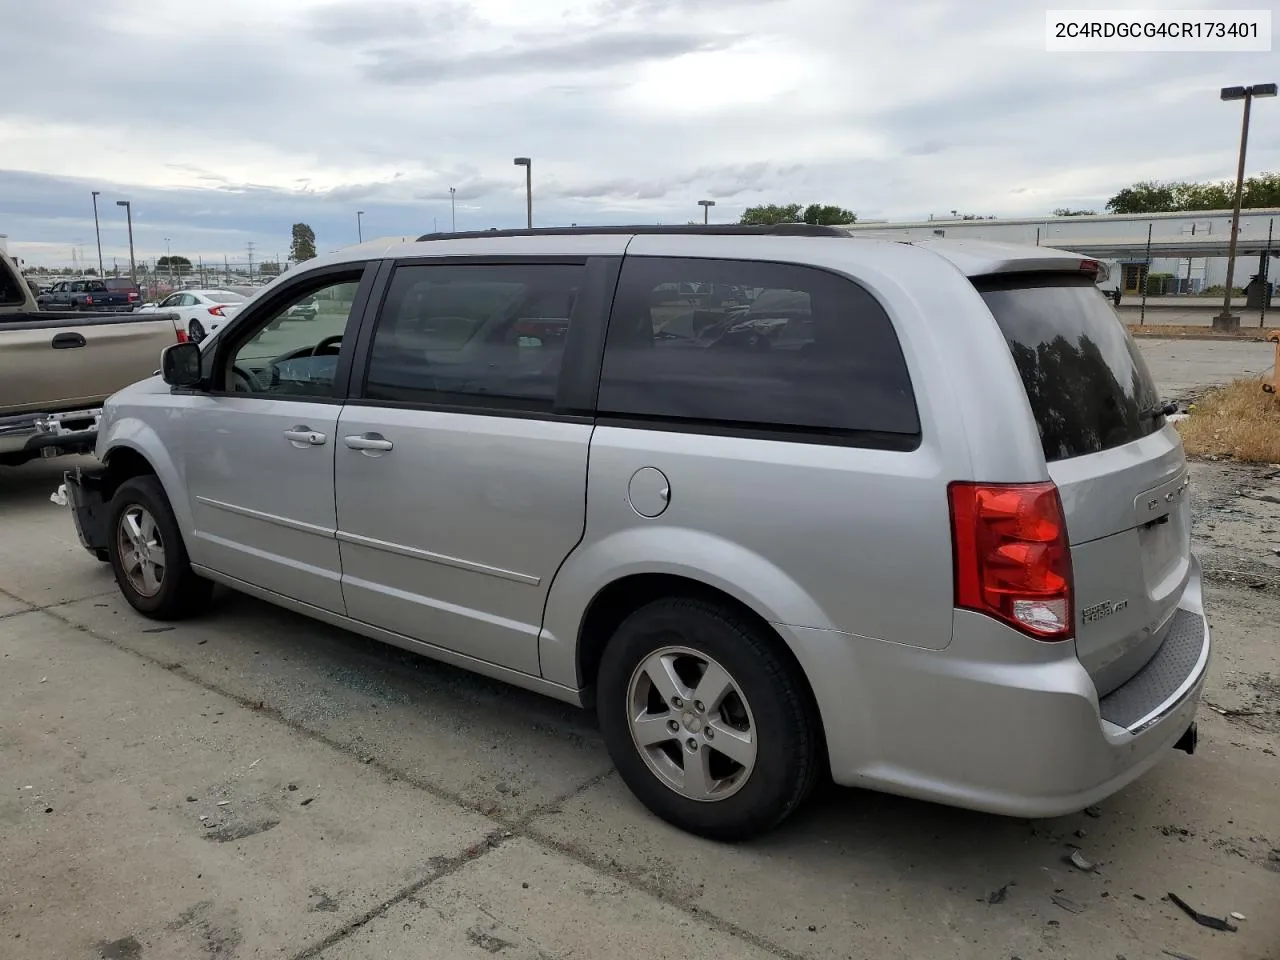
(95, 286)
(754, 344)
(119, 283)
(10, 290)
(1089, 387)
(484, 334)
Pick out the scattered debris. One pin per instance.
(292, 787)
(44, 679)
(157, 629)
(1067, 904)
(1080, 862)
(1237, 916)
(191, 799)
(223, 803)
(48, 809)
(306, 801)
(1094, 812)
(255, 763)
(200, 642)
(1176, 955)
(1138, 896)
(1081, 834)
(813, 928)
(998, 896)
(1213, 923)
(59, 496)
(203, 817)
(524, 886)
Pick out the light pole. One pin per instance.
(453, 209)
(1226, 320)
(133, 266)
(527, 163)
(168, 258)
(97, 232)
(706, 206)
(359, 226)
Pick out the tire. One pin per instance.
(195, 330)
(769, 700)
(173, 591)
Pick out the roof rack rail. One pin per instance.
(728, 229)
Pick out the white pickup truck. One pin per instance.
(56, 369)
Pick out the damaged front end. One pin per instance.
(85, 494)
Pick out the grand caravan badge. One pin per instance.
(1100, 611)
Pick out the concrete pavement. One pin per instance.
(435, 814)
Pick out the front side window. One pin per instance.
(294, 352)
(486, 334)
(754, 345)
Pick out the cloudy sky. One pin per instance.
(226, 121)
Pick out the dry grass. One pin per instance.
(1238, 420)
(1205, 332)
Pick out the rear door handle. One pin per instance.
(68, 341)
(303, 436)
(367, 442)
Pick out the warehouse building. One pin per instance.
(1183, 252)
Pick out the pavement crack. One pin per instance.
(445, 866)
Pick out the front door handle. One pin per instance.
(68, 341)
(304, 436)
(368, 443)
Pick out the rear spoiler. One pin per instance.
(980, 258)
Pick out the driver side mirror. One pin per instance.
(180, 365)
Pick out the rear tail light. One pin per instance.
(182, 335)
(88, 299)
(1012, 559)
(1089, 266)
(133, 297)
(216, 311)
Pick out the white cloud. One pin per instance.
(632, 110)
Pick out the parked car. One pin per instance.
(94, 295)
(201, 312)
(56, 369)
(131, 291)
(917, 521)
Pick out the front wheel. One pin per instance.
(148, 556)
(708, 721)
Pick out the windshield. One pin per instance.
(1088, 385)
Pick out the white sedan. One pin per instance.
(201, 311)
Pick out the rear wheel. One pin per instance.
(707, 721)
(148, 556)
(195, 330)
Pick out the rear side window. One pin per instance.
(10, 290)
(119, 284)
(482, 334)
(1088, 385)
(755, 345)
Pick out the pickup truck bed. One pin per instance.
(56, 369)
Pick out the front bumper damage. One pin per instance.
(86, 496)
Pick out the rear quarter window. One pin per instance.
(761, 346)
(1087, 383)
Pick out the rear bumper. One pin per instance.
(1000, 723)
(50, 434)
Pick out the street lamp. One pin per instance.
(453, 209)
(97, 231)
(359, 226)
(133, 267)
(706, 206)
(527, 163)
(1226, 320)
(168, 258)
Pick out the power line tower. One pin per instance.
(251, 245)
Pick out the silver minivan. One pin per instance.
(778, 503)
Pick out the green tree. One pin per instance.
(303, 246)
(769, 214)
(816, 213)
(1150, 196)
(827, 214)
(181, 265)
(1068, 212)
